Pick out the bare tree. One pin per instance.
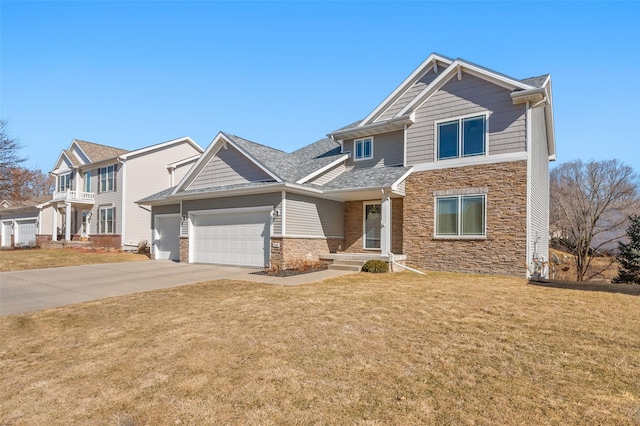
(29, 183)
(590, 206)
(9, 159)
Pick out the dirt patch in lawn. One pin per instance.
(360, 349)
(18, 260)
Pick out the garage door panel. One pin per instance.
(26, 231)
(232, 239)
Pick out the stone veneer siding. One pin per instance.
(106, 240)
(291, 249)
(503, 251)
(184, 249)
(353, 216)
(42, 239)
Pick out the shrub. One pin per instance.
(375, 266)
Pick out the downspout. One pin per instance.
(124, 201)
(528, 253)
(392, 259)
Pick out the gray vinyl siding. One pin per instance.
(181, 171)
(169, 209)
(387, 151)
(313, 217)
(401, 187)
(329, 175)
(411, 93)
(269, 199)
(147, 174)
(539, 184)
(462, 97)
(228, 167)
(107, 199)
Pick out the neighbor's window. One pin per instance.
(462, 215)
(364, 148)
(106, 220)
(106, 178)
(87, 181)
(464, 137)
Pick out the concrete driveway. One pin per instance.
(32, 290)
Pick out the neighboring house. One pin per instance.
(450, 172)
(20, 221)
(96, 188)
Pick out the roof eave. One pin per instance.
(397, 123)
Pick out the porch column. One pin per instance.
(54, 227)
(67, 222)
(385, 225)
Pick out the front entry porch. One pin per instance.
(355, 261)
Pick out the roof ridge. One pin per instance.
(99, 144)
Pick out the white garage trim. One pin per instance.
(265, 216)
(7, 230)
(160, 247)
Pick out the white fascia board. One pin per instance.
(323, 169)
(162, 145)
(183, 162)
(394, 186)
(396, 123)
(202, 161)
(175, 198)
(448, 73)
(254, 160)
(548, 112)
(422, 69)
(470, 161)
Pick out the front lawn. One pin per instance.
(21, 259)
(361, 349)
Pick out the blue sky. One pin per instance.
(132, 74)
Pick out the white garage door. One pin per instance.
(6, 233)
(238, 238)
(26, 231)
(167, 237)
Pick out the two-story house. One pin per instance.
(96, 187)
(449, 172)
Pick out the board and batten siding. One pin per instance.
(329, 175)
(257, 200)
(146, 175)
(313, 217)
(457, 98)
(388, 150)
(411, 93)
(539, 187)
(228, 167)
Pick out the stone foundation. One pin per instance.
(502, 251)
(42, 239)
(286, 251)
(104, 240)
(184, 249)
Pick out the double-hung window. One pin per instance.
(87, 181)
(461, 216)
(462, 137)
(106, 220)
(363, 148)
(106, 178)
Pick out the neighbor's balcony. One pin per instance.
(75, 196)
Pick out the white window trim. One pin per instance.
(459, 119)
(113, 221)
(459, 236)
(364, 224)
(65, 176)
(355, 149)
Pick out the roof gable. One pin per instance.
(97, 152)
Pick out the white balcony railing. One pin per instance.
(79, 196)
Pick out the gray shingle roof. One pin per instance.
(535, 81)
(379, 177)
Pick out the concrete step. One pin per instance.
(343, 267)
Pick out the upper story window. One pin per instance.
(363, 148)
(87, 181)
(462, 137)
(64, 182)
(461, 216)
(107, 182)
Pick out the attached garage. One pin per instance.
(230, 236)
(166, 237)
(25, 235)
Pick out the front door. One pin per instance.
(372, 220)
